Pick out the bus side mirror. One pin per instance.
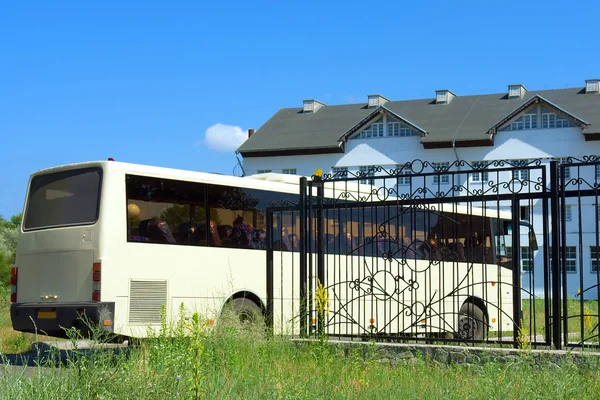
(532, 241)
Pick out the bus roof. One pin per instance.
(270, 181)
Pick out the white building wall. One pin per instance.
(524, 144)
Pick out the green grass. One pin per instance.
(533, 313)
(233, 362)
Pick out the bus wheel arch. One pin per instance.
(473, 319)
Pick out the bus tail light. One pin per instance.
(96, 277)
(13, 284)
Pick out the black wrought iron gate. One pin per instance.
(505, 252)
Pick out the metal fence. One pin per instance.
(504, 252)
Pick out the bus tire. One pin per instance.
(248, 312)
(472, 322)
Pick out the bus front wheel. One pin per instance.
(246, 311)
(472, 322)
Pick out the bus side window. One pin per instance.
(165, 211)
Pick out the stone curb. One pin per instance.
(448, 354)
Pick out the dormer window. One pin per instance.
(516, 91)
(527, 121)
(376, 100)
(443, 96)
(552, 120)
(311, 106)
(398, 129)
(592, 86)
(373, 131)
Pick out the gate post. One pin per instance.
(516, 268)
(555, 270)
(304, 237)
(320, 251)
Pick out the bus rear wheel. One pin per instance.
(472, 322)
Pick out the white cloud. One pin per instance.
(223, 137)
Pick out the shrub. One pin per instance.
(6, 261)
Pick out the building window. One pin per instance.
(552, 120)
(373, 131)
(524, 211)
(339, 172)
(402, 180)
(530, 121)
(367, 171)
(595, 258)
(406, 131)
(526, 259)
(597, 173)
(527, 121)
(441, 179)
(289, 171)
(479, 176)
(568, 213)
(393, 129)
(263, 171)
(563, 123)
(571, 258)
(521, 174)
(548, 120)
(565, 161)
(397, 129)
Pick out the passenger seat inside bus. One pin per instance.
(156, 231)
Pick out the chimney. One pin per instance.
(592, 86)
(311, 106)
(250, 132)
(444, 96)
(376, 100)
(516, 91)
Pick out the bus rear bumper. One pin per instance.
(55, 319)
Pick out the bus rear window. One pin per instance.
(63, 198)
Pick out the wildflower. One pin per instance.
(178, 377)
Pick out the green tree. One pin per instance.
(9, 233)
(5, 265)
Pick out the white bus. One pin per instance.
(115, 242)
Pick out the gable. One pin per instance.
(376, 125)
(538, 113)
(385, 126)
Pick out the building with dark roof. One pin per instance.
(445, 121)
(519, 124)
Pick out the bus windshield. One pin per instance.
(63, 198)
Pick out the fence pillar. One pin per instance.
(516, 267)
(320, 251)
(555, 269)
(304, 238)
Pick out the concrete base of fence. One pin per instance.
(398, 352)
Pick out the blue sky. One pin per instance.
(145, 81)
